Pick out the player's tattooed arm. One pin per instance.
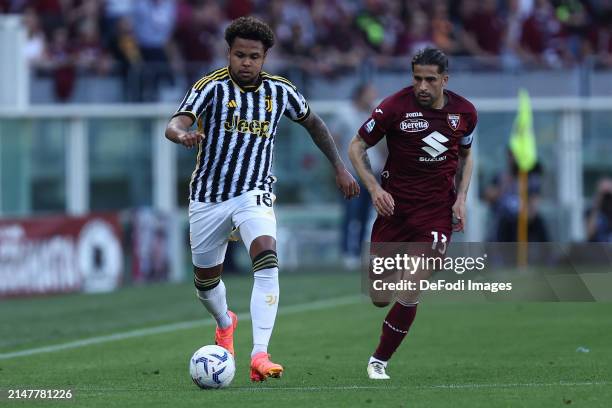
(178, 131)
(464, 175)
(464, 172)
(361, 161)
(382, 200)
(323, 139)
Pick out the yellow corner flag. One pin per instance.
(523, 147)
(522, 139)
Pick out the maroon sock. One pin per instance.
(394, 329)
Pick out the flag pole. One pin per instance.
(522, 230)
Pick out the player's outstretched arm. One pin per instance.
(464, 175)
(382, 200)
(323, 139)
(178, 131)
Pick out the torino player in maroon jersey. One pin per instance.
(428, 131)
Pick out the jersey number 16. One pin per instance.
(265, 198)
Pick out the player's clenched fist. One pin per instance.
(190, 139)
(383, 202)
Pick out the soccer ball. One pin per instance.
(212, 367)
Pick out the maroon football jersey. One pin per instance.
(423, 148)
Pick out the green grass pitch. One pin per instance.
(457, 354)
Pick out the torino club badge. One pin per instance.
(453, 120)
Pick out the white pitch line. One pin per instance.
(517, 385)
(435, 386)
(312, 388)
(190, 324)
(247, 389)
(367, 387)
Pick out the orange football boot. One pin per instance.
(262, 367)
(225, 337)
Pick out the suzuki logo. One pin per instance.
(434, 141)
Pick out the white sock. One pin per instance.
(264, 304)
(215, 302)
(372, 360)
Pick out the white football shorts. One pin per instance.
(210, 224)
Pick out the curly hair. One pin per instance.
(250, 28)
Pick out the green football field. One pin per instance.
(132, 348)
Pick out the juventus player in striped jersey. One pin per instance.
(237, 110)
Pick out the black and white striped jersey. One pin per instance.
(239, 125)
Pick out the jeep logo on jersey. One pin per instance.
(256, 127)
(414, 125)
(434, 146)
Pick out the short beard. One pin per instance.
(425, 105)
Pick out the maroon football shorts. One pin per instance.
(399, 235)
(403, 229)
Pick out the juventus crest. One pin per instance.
(268, 104)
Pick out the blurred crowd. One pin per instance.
(161, 38)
